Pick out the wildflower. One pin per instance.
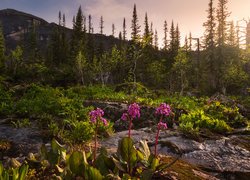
(134, 110)
(162, 125)
(124, 116)
(95, 117)
(163, 109)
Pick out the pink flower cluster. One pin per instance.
(163, 109)
(97, 114)
(133, 112)
(162, 125)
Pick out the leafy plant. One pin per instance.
(17, 173)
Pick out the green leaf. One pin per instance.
(1, 169)
(154, 162)
(44, 152)
(92, 173)
(127, 151)
(104, 163)
(147, 174)
(76, 163)
(23, 171)
(144, 149)
(119, 165)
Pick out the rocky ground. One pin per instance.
(210, 157)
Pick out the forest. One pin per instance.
(81, 91)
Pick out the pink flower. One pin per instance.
(105, 122)
(124, 116)
(134, 110)
(163, 109)
(162, 125)
(97, 114)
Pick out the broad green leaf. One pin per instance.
(76, 163)
(23, 171)
(127, 151)
(92, 173)
(147, 174)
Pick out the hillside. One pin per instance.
(17, 25)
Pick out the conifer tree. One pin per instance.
(101, 25)
(172, 37)
(156, 40)
(190, 41)
(151, 33)
(113, 30)
(177, 38)
(222, 15)
(146, 36)
(135, 27)
(165, 41)
(60, 18)
(124, 31)
(90, 24)
(64, 20)
(232, 40)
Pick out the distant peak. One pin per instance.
(10, 11)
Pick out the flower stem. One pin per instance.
(129, 128)
(157, 136)
(95, 149)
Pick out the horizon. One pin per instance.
(187, 19)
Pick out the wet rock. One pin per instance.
(22, 140)
(221, 155)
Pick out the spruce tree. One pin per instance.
(177, 38)
(124, 31)
(232, 40)
(64, 20)
(165, 41)
(222, 15)
(101, 25)
(113, 30)
(60, 18)
(146, 36)
(156, 40)
(172, 37)
(135, 27)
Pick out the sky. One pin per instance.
(189, 14)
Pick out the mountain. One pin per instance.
(18, 25)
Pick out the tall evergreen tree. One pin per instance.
(77, 39)
(165, 41)
(146, 35)
(90, 24)
(177, 38)
(135, 27)
(222, 15)
(113, 30)
(64, 20)
(60, 18)
(151, 33)
(190, 41)
(124, 31)
(156, 40)
(232, 38)
(172, 37)
(101, 25)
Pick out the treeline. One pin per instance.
(208, 65)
